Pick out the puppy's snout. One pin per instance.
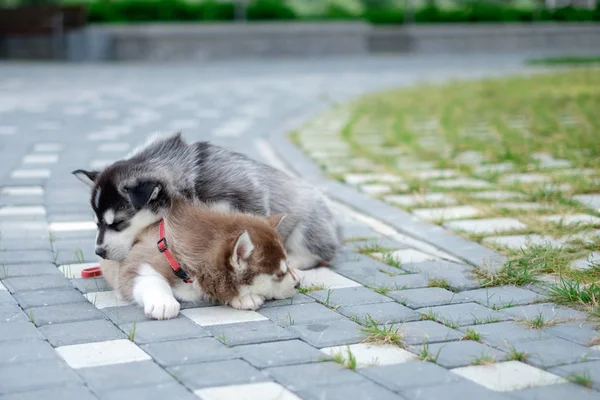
(101, 252)
(297, 285)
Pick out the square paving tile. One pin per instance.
(300, 376)
(572, 219)
(188, 351)
(101, 353)
(524, 178)
(217, 373)
(110, 377)
(426, 332)
(486, 225)
(411, 200)
(556, 392)
(250, 332)
(348, 296)
(382, 313)
(578, 332)
(548, 311)
(25, 351)
(58, 314)
(590, 200)
(548, 353)
(589, 369)
(424, 297)
(329, 333)
(458, 354)
(516, 242)
(446, 213)
(299, 314)
(497, 195)
(37, 374)
(81, 332)
(325, 277)
(508, 376)
(407, 256)
(219, 315)
(158, 331)
(500, 296)
(274, 354)
(504, 334)
(105, 299)
(590, 261)
(367, 354)
(251, 391)
(460, 183)
(464, 314)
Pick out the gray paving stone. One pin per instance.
(188, 351)
(589, 200)
(589, 369)
(386, 243)
(485, 225)
(556, 392)
(30, 244)
(23, 284)
(81, 332)
(160, 331)
(459, 354)
(588, 262)
(329, 333)
(19, 331)
(578, 332)
(405, 376)
(464, 314)
(298, 298)
(455, 391)
(299, 314)
(426, 332)
(25, 256)
(250, 332)
(41, 298)
(21, 270)
(276, 354)
(63, 392)
(6, 298)
(382, 313)
(64, 313)
(425, 297)
(109, 377)
(88, 285)
(217, 373)
(170, 391)
(364, 391)
(15, 352)
(29, 376)
(458, 276)
(500, 296)
(12, 313)
(549, 311)
(553, 352)
(504, 334)
(298, 377)
(373, 276)
(355, 296)
(125, 314)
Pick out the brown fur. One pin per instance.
(203, 241)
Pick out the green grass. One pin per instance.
(539, 322)
(425, 354)
(131, 334)
(441, 283)
(580, 378)
(515, 355)
(347, 360)
(586, 296)
(565, 61)
(483, 359)
(471, 334)
(312, 288)
(381, 334)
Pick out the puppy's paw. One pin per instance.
(247, 302)
(161, 306)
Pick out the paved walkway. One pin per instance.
(65, 337)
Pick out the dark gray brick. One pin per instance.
(370, 276)
(16, 352)
(30, 283)
(299, 314)
(500, 296)
(458, 276)
(364, 391)
(12, 313)
(19, 330)
(589, 369)
(250, 332)
(88, 285)
(64, 313)
(552, 352)
(398, 377)
(578, 332)
(161, 331)
(329, 333)
(549, 311)
(425, 297)
(462, 389)
(25, 256)
(355, 296)
(217, 373)
(40, 298)
(382, 313)
(81, 332)
(504, 334)
(298, 377)
(188, 351)
(427, 332)
(106, 378)
(459, 354)
(20, 270)
(556, 392)
(298, 298)
(35, 375)
(275, 354)
(170, 391)
(63, 392)
(125, 314)
(464, 314)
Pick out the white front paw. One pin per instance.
(247, 302)
(161, 306)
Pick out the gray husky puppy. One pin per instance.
(132, 194)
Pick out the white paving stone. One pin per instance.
(486, 225)
(407, 256)
(508, 376)
(357, 179)
(524, 178)
(47, 147)
(470, 157)
(497, 195)
(573, 219)
(458, 183)
(101, 353)
(30, 173)
(575, 172)
(494, 168)
(8, 130)
(589, 200)
(22, 191)
(72, 271)
(72, 226)
(409, 200)
(411, 164)
(324, 276)
(520, 206)
(548, 161)
(592, 260)
(375, 189)
(368, 354)
(40, 159)
(251, 391)
(445, 213)
(2, 287)
(516, 242)
(22, 211)
(105, 299)
(113, 147)
(220, 315)
(435, 174)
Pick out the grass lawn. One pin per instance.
(518, 148)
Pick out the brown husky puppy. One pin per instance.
(237, 259)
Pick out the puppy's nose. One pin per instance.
(100, 252)
(297, 285)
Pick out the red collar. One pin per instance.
(164, 248)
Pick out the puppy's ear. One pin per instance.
(87, 177)
(275, 220)
(143, 193)
(242, 250)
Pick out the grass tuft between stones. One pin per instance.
(381, 334)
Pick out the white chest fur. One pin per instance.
(189, 292)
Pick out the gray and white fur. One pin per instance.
(131, 194)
